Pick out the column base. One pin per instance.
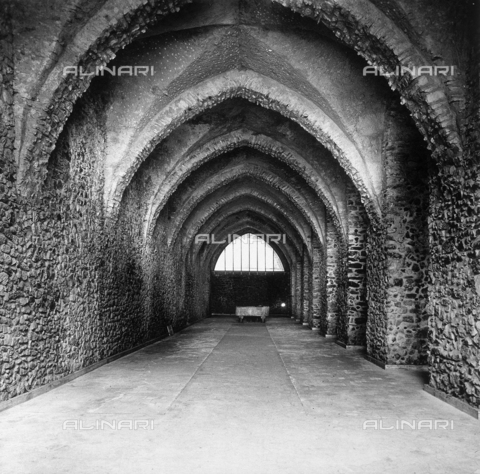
(453, 401)
(331, 337)
(386, 366)
(350, 347)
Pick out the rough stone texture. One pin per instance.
(328, 324)
(119, 27)
(377, 279)
(307, 289)
(454, 338)
(398, 250)
(354, 330)
(319, 300)
(405, 218)
(384, 45)
(298, 290)
(49, 261)
(74, 289)
(9, 207)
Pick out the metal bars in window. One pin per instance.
(249, 253)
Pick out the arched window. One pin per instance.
(249, 253)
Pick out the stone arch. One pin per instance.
(257, 173)
(113, 27)
(259, 89)
(265, 200)
(358, 24)
(362, 26)
(229, 142)
(214, 219)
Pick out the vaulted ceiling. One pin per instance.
(255, 106)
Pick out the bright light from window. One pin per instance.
(249, 253)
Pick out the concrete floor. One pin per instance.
(223, 397)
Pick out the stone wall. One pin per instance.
(12, 365)
(198, 287)
(328, 324)
(80, 41)
(454, 334)
(74, 289)
(307, 289)
(377, 279)
(170, 285)
(319, 294)
(298, 290)
(398, 249)
(51, 294)
(356, 260)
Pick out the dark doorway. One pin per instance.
(231, 289)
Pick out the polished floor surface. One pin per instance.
(223, 397)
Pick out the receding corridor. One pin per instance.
(224, 397)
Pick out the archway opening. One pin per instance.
(250, 272)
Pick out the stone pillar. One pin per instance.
(328, 324)
(318, 285)
(398, 249)
(454, 292)
(307, 290)
(293, 290)
(354, 327)
(376, 293)
(15, 360)
(299, 290)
